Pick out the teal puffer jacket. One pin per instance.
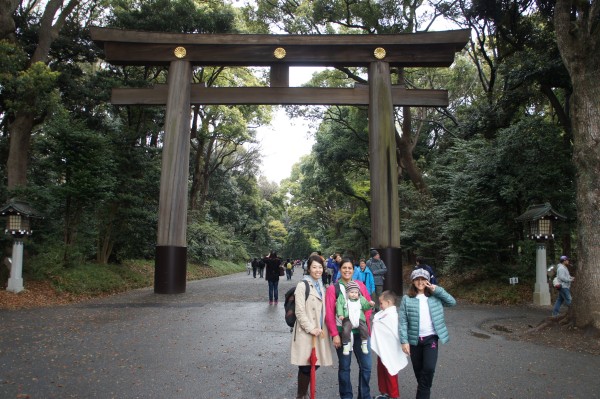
(408, 327)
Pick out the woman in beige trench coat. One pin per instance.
(310, 322)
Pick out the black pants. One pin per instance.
(424, 358)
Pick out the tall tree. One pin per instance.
(578, 36)
(22, 119)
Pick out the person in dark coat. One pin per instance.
(379, 271)
(272, 263)
(422, 264)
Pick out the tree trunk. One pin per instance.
(579, 42)
(7, 23)
(586, 125)
(204, 177)
(106, 235)
(18, 154)
(405, 146)
(53, 19)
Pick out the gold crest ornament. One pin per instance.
(379, 53)
(279, 53)
(179, 52)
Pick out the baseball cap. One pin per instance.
(419, 273)
(563, 258)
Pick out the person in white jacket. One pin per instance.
(385, 342)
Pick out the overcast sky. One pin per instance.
(286, 140)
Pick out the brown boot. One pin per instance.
(303, 383)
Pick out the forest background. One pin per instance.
(507, 140)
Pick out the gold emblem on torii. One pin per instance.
(179, 52)
(379, 53)
(279, 53)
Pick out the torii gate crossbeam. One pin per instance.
(182, 52)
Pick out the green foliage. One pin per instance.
(297, 244)
(181, 16)
(30, 90)
(208, 240)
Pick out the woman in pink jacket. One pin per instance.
(334, 326)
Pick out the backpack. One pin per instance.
(289, 304)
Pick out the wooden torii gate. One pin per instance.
(182, 52)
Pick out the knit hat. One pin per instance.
(419, 273)
(374, 252)
(351, 285)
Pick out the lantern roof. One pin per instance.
(18, 207)
(540, 211)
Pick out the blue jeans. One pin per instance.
(564, 295)
(273, 291)
(364, 373)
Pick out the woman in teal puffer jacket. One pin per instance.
(422, 327)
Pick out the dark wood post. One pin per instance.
(385, 212)
(171, 248)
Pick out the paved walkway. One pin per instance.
(222, 340)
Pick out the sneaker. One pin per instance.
(364, 347)
(346, 350)
(270, 302)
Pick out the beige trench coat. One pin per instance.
(308, 317)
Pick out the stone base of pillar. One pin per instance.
(15, 285)
(541, 295)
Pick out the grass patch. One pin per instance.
(91, 279)
(224, 267)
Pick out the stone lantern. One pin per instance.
(19, 214)
(538, 220)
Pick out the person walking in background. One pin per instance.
(334, 325)
(310, 324)
(272, 263)
(565, 279)
(261, 267)
(385, 342)
(422, 264)
(288, 269)
(335, 267)
(327, 277)
(363, 273)
(379, 270)
(422, 327)
(254, 267)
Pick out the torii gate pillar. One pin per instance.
(385, 212)
(171, 247)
